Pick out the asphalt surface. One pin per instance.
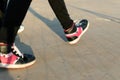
(95, 57)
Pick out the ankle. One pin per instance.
(71, 29)
(3, 44)
(5, 48)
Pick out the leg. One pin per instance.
(3, 4)
(61, 12)
(9, 53)
(13, 18)
(70, 27)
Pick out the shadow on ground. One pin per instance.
(24, 48)
(4, 74)
(50, 23)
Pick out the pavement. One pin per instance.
(95, 57)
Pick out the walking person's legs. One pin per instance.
(73, 30)
(10, 56)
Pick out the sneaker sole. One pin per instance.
(76, 40)
(12, 66)
(21, 29)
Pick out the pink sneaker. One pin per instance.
(14, 59)
(82, 27)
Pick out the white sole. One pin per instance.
(13, 66)
(21, 29)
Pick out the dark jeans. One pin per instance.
(15, 12)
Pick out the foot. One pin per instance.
(81, 28)
(14, 59)
(21, 29)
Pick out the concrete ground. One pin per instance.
(95, 57)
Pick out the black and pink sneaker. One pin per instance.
(15, 59)
(81, 28)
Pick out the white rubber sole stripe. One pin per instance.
(21, 29)
(16, 66)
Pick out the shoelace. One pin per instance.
(17, 52)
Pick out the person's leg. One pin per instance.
(73, 30)
(13, 18)
(61, 13)
(3, 4)
(9, 53)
